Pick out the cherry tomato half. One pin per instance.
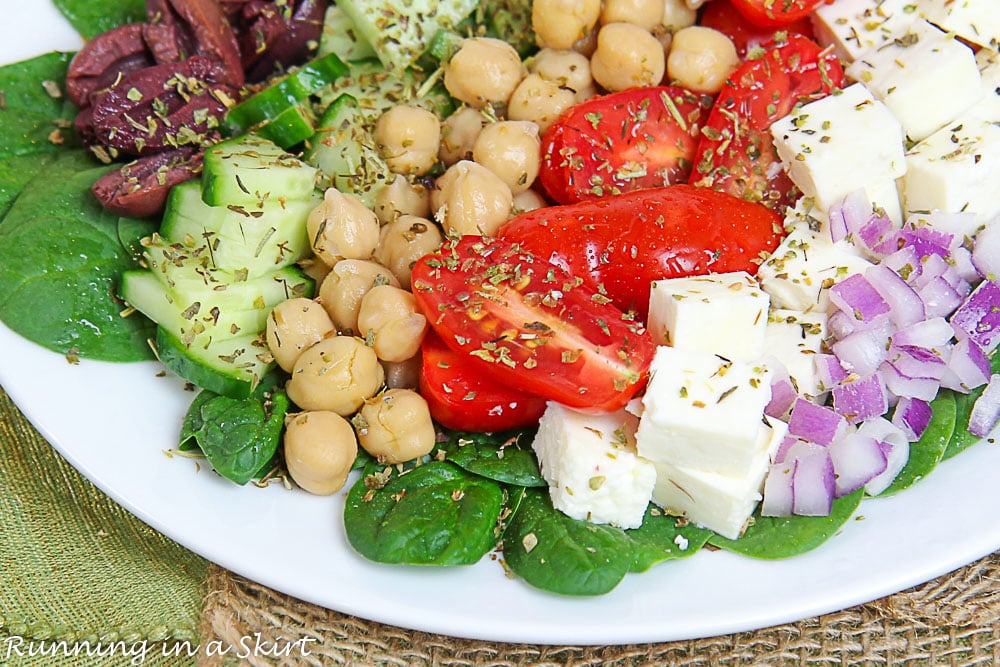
(461, 397)
(736, 153)
(529, 324)
(776, 13)
(721, 15)
(620, 244)
(624, 141)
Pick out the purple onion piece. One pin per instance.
(968, 367)
(986, 410)
(917, 362)
(861, 399)
(978, 317)
(862, 352)
(986, 252)
(931, 333)
(814, 481)
(831, 372)
(939, 297)
(778, 495)
(912, 416)
(783, 395)
(912, 387)
(814, 423)
(927, 241)
(879, 236)
(897, 453)
(857, 459)
(856, 296)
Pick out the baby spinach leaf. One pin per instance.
(927, 452)
(36, 116)
(92, 17)
(782, 537)
(504, 457)
(433, 514)
(663, 537)
(555, 553)
(239, 437)
(60, 259)
(15, 172)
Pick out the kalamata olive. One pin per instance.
(139, 188)
(278, 34)
(104, 59)
(205, 22)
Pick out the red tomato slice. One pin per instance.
(531, 325)
(461, 397)
(736, 153)
(620, 244)
(776, 13)
(624, 141)
(721, 15)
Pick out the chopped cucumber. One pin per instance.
(231, 367)
(249, 169)
(340, 36)
(290, 127)
(400, 30)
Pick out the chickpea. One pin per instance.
(396, 426)
(342, 227)
(528, 200)
(459, 133)
(343, 288)
(402, 197)
(510, 149)
(701, 59)
(627, 56)
(336, 374)
(293, 326)
(646, 14)
(539, 100)
(560, 23)
(408, 138)
(677, 14)
(405, 240)
(391, 321)
(403, 374)
(471, 199)
(569, 69)
(483, 71)
(320, 448)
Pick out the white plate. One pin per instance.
(113, 422)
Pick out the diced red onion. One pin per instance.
(857, 459)
(829, 370)
(855, 295)
(978, 317)
(912, 387)
(939, 297)
(814, 481)
(850, 215)
(931, 333)
(815, 423)
(778, 495)
(783, 395)
(879, 236)
(968, 367)
(927, 241)
(905, 307)
(841, 325)
(862, 352)
(986, 252)
(894, 444)
(861, 398)
(912, 415)
(931, 267)
(961, 259)
(986, 410)
(904, 261)
(781, 453)
(914, 361)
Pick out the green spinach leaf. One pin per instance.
(15, 172)
(36, 116)
(663, 537)
(555, 553)
(92, 17)
(504, 457)
(433, 514)
(927, 452)
(782, 537)
(60, 260)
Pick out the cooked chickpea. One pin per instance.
(471, 199)
(294, 325)
(627, 56)
(677, 14)
(408, 138)
(646, 14)
(405, 240)
(402, 197)
(342, 227)
(569, 69)
(320, 448)
(483, 71)
(391, 321)
(560, 23)
(511, 150)
(336, 374)
(403, 374)
(458, 134)
(528, 200)
(701, 59)
(396, 426)
(343, 288)
(539, 100)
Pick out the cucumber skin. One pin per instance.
(201, 367)
(246, 170)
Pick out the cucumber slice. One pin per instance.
(340, 36)
(290, 127)
(249, 169)
(231, 367)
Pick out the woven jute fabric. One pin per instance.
(953, 620)
(82, 581)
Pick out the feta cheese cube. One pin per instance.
(841, 143)
(975, 21)
(855, 26)
(702, 411)
(590, 464)
(722, 503)
(721, 313)
(925, 76)
(795, 338)
(803, 263)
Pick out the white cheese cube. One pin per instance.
(975, 21)
(839, 144)
(702, 411)
(855, 26)
(721, 313)
(989, 70)
(590, 464)
(794, 338)
(722, 503)
(803, 263)
(925, 76)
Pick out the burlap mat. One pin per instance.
(954, 620)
